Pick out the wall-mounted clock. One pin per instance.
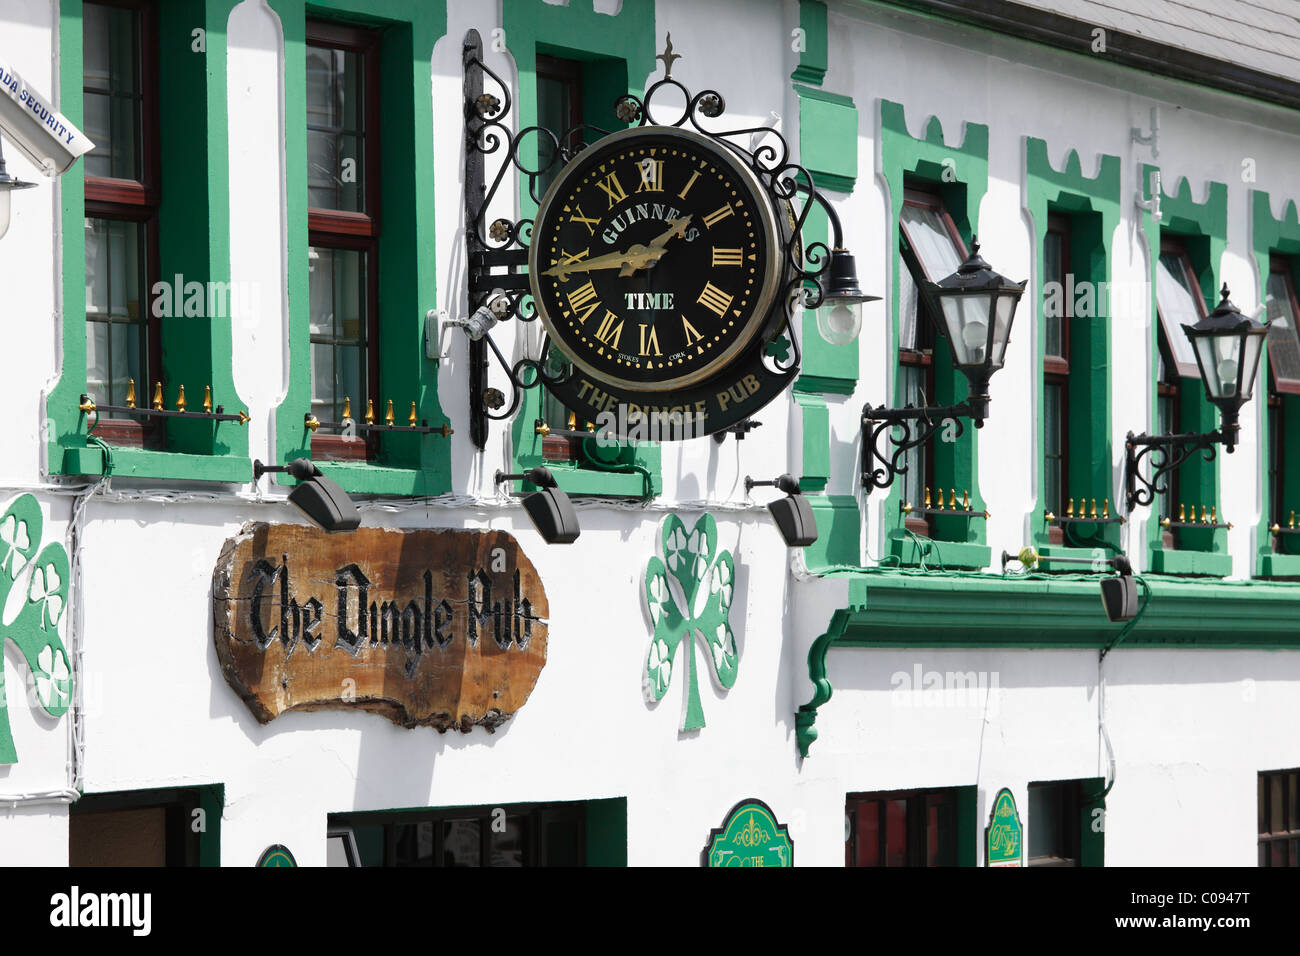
(657, 259)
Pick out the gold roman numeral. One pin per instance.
(579, 298)
(652, 176)
(714, 299)
(591, 224)
(569, 257)
(692, 336)
(726, 257)
(611, 187)
(689, 183)
(650, 341)
(715, 217)
(609, 333)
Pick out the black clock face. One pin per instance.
(655, 259)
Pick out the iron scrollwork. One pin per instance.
(497, 253)
(918, 426)
(1165, 453)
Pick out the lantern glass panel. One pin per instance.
(1004, 313)
(967, 321)
(1250, 356)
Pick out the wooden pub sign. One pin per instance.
(426, 627)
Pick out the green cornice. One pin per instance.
(902, 609)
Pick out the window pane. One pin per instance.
(116, 329)
(1045, 822)
(413, 844)
(1177, 305)
(928, 235)
(507, 848)
(336, 161)
(460, 843)
(1055, 308)
(554, 112)
(1053, 476)
(338, 320)
(1283, 340)
(913, 385)
(896, 833)
(867, 833)
(909, 313)
(110, 71)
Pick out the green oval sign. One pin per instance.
(1004, 838)
(750, 836)
(277, 855)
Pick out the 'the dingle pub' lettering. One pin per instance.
(417, 622)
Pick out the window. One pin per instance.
(932, 249)
(343, 227)
(146, 828)
(902, 828)
(1056, 368)
(543, 834)
(1054, 831)
(1283, 389)
(120, 81)
(1279, 818)
(1178, 303)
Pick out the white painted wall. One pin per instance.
(1189, 728)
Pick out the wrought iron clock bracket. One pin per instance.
(1166, 453)
(918, 426)
(497, 250)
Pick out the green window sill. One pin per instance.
(1279, 566)
(365, 478)
(1203, 563)
(939, 554)
(1050, 551)
(167, 465)
(576, 480)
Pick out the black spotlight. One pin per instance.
(1119, 594)
(321, 499)
(549, 509)
(792, 514)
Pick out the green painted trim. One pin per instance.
(805, 718)
(1271, 236)
(194, 230)
(1092, 834)
(839, 532)
(816, 467)
(825, 367)
(606, 841)
(961, 174)
(1202, 563)
(936, 555)
(407, 276)
(822, 384)
(1204, 228)
(618, 53)
(815, 57)
(968, 826)
(828, 138)
(212, 801)
(1093, 205)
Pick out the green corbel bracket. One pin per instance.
(806, 716)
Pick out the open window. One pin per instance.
(1283, 402)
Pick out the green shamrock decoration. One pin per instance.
(34, 627)
(688, 594)
(779, 348)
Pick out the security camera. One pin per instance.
(31, 123)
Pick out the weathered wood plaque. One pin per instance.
(428, 628)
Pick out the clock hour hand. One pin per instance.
(611, 260)
(643, 257)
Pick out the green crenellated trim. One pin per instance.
(839, 532)
(815, 56)
(1203, 227)
(408, 464)
(1280, 236)
(194, 242)
(618, 53)
(960, 173)
(1093, 205)
(958, 611)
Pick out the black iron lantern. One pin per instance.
(975, 307)
(839, 319)
(1228, 346)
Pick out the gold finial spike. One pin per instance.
(927, 503)
(180, 399)
(1093, 512)
(244, 418)
(130, 393)
(952, 498)
(1214, 514)
(207, 399)
(157, 395)
(1105, 508)
(1069, 509)
(388, 413)
(573, 422)
(347, 406)
(939, 501)
(311, 421)
(1203, 515)
(1050, 517)
(87, 404)
(1291, 523)
(370, 411)
(541, 428)
(411, 419)
(965, 499)
(1229, 525)
(1182, 512)
(1165, 522)
(907, 507)
(1276, 529)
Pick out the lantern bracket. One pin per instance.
(918, 426)
(1166, 454)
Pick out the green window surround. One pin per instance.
(1203, 229)
(1276, 237)
(194, 226)
(1090, 208)
(615, 54)
(815, 55)
(888, 608)
(408, 464)
(959, 174)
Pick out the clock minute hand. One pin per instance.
(643, 257)
(676, 227)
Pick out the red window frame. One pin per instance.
(356, 231)
(902, 828)
(138, 201)
(1056, 368)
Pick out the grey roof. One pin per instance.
(1263, 35)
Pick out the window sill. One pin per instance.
(1279, 566)
(365, 478)
(1202, 563)
(166, 465)
(575, 480)
(939, 555)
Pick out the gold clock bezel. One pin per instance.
(770, 269)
